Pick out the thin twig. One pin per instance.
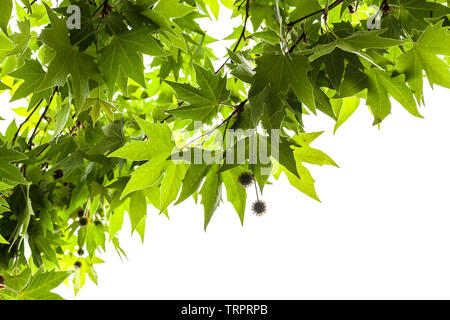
(237, 110)
(302, 37)
(33, 135)
(102, 6)
(166, 118)
(25, 121)
(331, 6)
(241, 36)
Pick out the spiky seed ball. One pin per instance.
(58, 174)
(259, 207)
(80, 252)
(2, 282)
(84, 221)
(77, 265)
(245, 179)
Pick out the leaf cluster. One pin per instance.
(105, 107)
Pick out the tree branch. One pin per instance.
(33, 135)
(237, 110)
(25, 121)
(331, 6)
(241, 36)
(302, 37)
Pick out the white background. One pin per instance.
(381, 231)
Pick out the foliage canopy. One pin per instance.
(106, 103)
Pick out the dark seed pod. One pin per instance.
(80, 252)
(259, 207)
(245, 179)
(385, 7)
(80, 213)
(58, 174)
(98, 223)
(2, 282)
(351, 10)
(84, 221)
(77, 265)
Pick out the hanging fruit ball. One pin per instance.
(84, 221)
(259, 207)
(245, 179)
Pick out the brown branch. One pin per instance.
(166, 118)
(331, 6)
(241, 36)
(237, 110)
(302, 37)
(33, 135)
(25, 121)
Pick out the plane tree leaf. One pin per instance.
(423, 57)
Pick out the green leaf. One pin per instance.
(354, 81)
(5, 14)
(380, 87)
(99, 105)
(334, 67)
(21, 40)
(305, 139)
(61, 119)
(423, 57)
(10, 174)
(211, 193)
(214, 6)
(312, 156)
(242, 68)
(137, 212)
(39, 286)
(116, 222)
(192, 180)
(145, 176)
(305, 184)
(171, 183)
(212, 92)
(4, 87)
(95, 238)
(68, 61)
(286, 156)
(195, 113)
(160, 143)
(355, 43)
(27, 5)
(33, 74)
(282, 73)
(172, 9)
(345, 110)
(2, 240)
(125, 53)
(412, 14)
(235, 193)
